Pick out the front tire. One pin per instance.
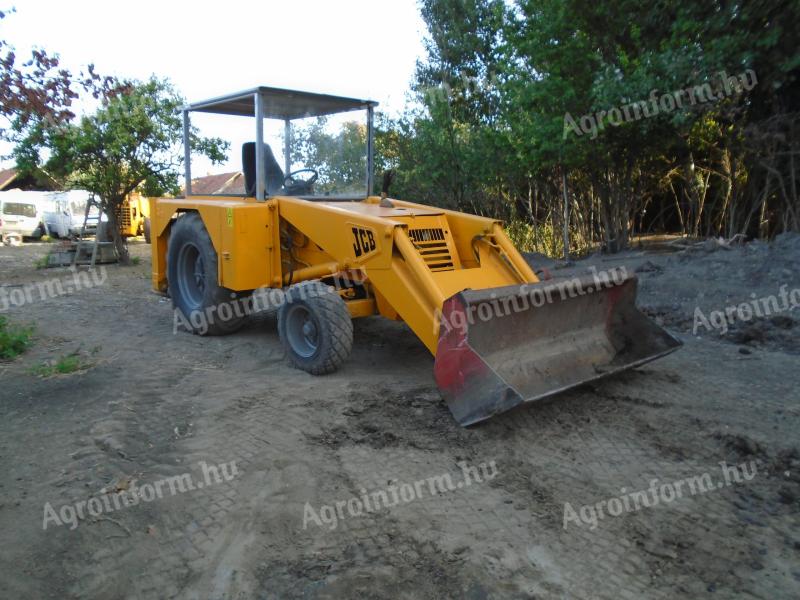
(206, 307)
(315, 328)
(146, 230)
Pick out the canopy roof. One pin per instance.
(280, 104)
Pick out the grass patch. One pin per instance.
(41, 263)
(14, 340)
(136, 260)
(63, 366)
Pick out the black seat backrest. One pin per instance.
(273, 169)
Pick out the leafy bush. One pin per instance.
(529, 239)
(14, 340)
(542, 238)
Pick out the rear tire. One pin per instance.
(192, 269)
(315, 328)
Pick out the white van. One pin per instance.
(57, 214)
(77, 200)
(20, 215)
(65, 211)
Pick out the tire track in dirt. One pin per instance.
(299, 439)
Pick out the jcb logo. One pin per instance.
(364, 241)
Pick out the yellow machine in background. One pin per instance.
(133, 217)
(455, 279)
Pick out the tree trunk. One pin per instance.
(590, 220)
(566, 212)
(726, 168)
(692, 195)
(119, 242)
(733, 202)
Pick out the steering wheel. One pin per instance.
(291, 181)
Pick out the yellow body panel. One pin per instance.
(244, 234)
(409, 258)
(131, 215)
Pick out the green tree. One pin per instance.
(134, 140)
(504, 83)
(39, 89)
(339, 156)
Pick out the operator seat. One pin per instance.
(273, 170)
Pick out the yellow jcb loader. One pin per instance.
(133, 216)
(133, 219)
(500, 337)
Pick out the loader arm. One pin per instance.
(499, 336)
(397, 248)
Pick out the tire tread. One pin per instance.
(333, 314)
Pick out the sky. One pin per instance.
(358, 48)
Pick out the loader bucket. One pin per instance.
(504, 346)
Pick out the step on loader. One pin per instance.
(333, 252)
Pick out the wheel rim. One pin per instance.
(192, 274)
(302, 331)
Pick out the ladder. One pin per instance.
(81, 244)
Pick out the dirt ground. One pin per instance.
(148, 404)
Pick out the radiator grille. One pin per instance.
(123, 216)
(432, 246)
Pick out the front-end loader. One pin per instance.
(499, 335)
(133, 216)
(133, 219)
